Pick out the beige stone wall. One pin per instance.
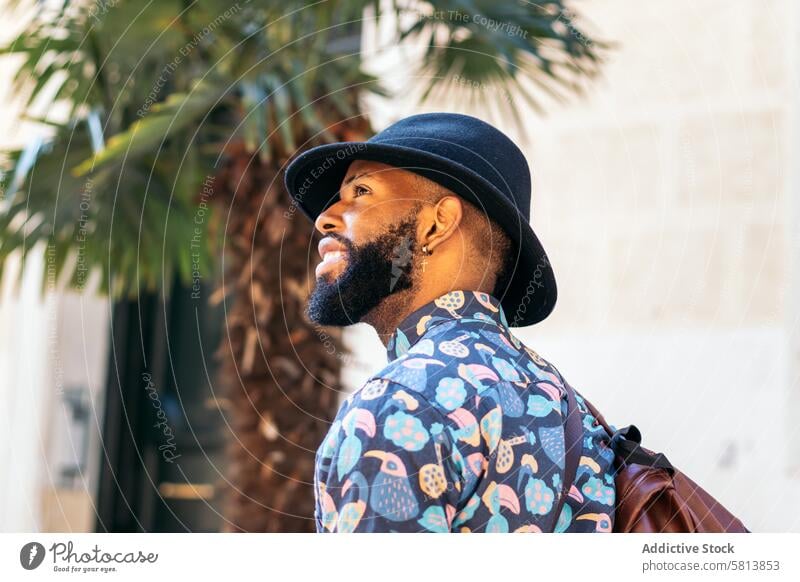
(670, 184)
(46, 343)
(668, 201)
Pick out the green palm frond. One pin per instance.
(155, 90)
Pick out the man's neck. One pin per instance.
(387, 315)
(394, 309)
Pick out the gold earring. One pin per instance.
(425, 250)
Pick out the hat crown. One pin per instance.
(471, 142)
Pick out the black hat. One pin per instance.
(465, 155)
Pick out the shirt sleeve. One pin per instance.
(392, 466)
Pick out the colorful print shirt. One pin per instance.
(461, 432)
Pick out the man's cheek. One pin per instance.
(368, 221)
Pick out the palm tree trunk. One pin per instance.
(280, 373)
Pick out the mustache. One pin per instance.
(346, 242)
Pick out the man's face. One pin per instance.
(369, 238)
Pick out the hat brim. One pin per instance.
(314, 178)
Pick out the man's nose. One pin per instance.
(329, 220)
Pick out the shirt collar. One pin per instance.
(455, 306)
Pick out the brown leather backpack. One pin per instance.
(652, 495)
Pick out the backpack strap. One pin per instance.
(573, 446)
(625, 442)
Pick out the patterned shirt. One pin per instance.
(462, 431)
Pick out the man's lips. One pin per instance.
(333, 255)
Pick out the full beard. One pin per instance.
(374, 271)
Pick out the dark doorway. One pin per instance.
(162, 468)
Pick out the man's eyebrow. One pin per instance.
(354, 177)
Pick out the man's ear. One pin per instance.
(443, 219)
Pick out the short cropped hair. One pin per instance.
(487, 239)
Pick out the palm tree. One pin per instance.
(169, 124)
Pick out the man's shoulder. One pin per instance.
(454, 364)
(416, 381)
(394, 386)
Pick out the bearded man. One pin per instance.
(426, 237)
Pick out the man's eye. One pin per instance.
(359, 191)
